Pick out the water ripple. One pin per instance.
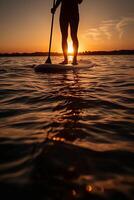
(67, 133)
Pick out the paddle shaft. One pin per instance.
(51, 36)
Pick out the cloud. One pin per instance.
(92, 33)
(103, 31)
(108, 28)
(123, 25)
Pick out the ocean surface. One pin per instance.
(67, 135)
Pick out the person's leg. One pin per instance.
(74, 22)
(64, 32)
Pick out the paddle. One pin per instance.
(51, 35)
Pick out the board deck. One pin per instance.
(60, 68)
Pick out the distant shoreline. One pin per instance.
(114, 52)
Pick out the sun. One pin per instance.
(70, 48)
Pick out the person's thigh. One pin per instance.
(74, 23)
(64, 23)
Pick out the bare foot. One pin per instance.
(74, 62)
(65, 62)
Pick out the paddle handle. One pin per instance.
(51, 34)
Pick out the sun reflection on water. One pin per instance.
(70, 58)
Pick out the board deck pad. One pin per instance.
(59, 67)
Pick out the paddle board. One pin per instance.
(60, 68)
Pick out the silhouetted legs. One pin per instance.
(65, 47)
(73, 21)
(74, 29)
(64, 32)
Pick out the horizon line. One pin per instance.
(87, 52)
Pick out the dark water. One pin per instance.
(67, 135)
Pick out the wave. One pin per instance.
(68, 134)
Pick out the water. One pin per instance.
(67, 135)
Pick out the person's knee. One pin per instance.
(74, 35)
(64, 36)
(74, 38)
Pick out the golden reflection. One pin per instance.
(58, 139)
(69, 117)
(70, 58)
(74, 193)
(89, 188)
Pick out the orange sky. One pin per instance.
(104, 25)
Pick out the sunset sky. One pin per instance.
(104, 25)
